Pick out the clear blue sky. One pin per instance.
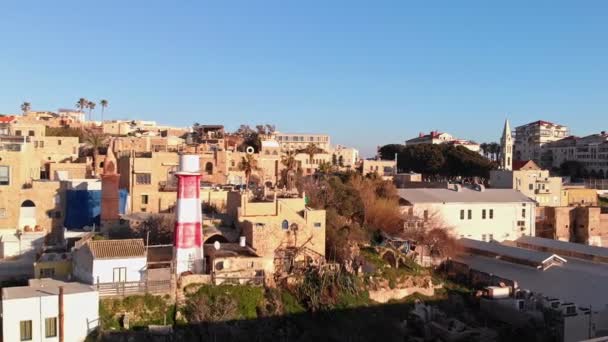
(365, 72)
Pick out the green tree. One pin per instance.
(104, 105)
(311, 150)
(291, 165)
(94, 141)
(248, 165)
(25, 107)
(387, 152)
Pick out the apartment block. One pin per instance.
(530, 140)
(591, 151)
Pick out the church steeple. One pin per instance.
(506, 144)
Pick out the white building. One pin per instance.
(110, 261)
(345, 156)
(479, 214)
(436, 137)
(531, 138)
(33, 312)
(298, 141)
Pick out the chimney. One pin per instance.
(61, 331)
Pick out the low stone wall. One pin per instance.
(194, 279)
(384, 296)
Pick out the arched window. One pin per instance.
(209, 168)
(27, 204)
(285, 225)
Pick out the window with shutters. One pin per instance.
(143, 178)
(50, 327)
(25, 329)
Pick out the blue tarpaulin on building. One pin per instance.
(84, 206)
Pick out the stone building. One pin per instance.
(383, 168)
(26, 201)
(575, 224)
(529, 179)
(283, 229)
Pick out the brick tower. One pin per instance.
(109, 192)
(188, 235)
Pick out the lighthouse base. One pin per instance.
(188, 260)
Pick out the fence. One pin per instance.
(133, 288)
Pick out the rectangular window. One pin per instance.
(491, 237)
(144, 199)
(523, 213)
(462, 214)
(50, 327)
(483, 237)
(30, 133)
(47, 272)
(25, 328)
(317, 224)
(483, 214)
(18, 133)
(470, 214)
(531, 186)
(426, 215)
(491, 214)
(5, 174)
(59, 142)
(143, 178)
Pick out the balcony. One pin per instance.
(165, 186)
(542, 191)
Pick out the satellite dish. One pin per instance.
(250, 150)
(216, 245)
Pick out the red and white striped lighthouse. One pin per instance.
(188, 235)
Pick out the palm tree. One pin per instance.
(104, 105)
(82, 104)
(94, 141)
(484, 149)
(248, 164)
(91, 106)
(311, 150)
(25, 107)
(291, 164)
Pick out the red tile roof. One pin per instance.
(519, 164)
(6, 119)
(110, 249)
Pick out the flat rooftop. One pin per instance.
(514, 254)
(465, 195)
(44, 287)
(577, 281)
(557, 246)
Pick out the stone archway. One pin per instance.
(27, 214)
